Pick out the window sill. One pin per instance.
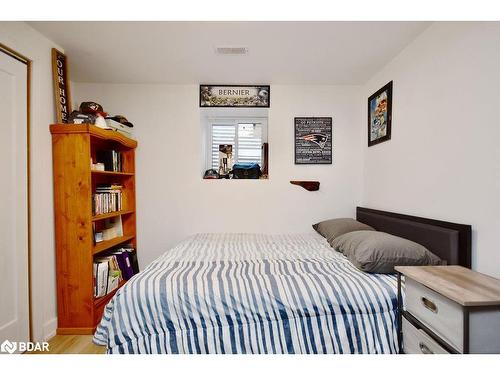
(236, 179)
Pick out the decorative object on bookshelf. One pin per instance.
(96, 166)
(77, 224)
(98, 237)
(62, 93)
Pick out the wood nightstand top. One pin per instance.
(460, 284)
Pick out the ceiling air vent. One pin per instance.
(231, 50)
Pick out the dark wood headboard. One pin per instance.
(449, 241)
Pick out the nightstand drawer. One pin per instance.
(416, 341)
(441, 315)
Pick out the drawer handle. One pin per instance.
(429, 305)
(425, 349)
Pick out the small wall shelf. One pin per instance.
(308, 185)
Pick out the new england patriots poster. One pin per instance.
(313, 140)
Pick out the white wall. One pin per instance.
(443, 158)
(30, 43)
(174, 201)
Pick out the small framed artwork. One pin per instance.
(313, 140)
(380, 115)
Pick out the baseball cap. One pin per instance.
(121, 119)
(92, 108)
(77, 117)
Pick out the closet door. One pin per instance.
(14, 285)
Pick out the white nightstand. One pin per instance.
(448, 309)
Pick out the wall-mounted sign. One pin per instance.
(234, 96)
(313, 140)
(62, 94)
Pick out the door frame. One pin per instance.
(23, 59)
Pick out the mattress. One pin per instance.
(252, 293)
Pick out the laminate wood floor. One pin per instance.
(73, 344)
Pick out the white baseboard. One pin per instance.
(49, 329)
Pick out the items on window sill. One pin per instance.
(246, 171)
(211, 174)
(240, 171)
(225, 159)
(308, 185)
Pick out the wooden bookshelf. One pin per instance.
(73, 146)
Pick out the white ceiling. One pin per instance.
(183, 52)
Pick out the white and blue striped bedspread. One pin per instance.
(252, 293)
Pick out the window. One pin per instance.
(245, 135)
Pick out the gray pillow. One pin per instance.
(379, 252)
(331, 229)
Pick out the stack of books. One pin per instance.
(107, 198)
(120, 264)
(111, 159)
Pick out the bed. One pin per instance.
(257, 293)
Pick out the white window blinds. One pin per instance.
(249, 147)
(221, 135)
(246, 139)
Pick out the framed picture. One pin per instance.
(60, 77)
(380, 115)
(313, 140)
(242, 96)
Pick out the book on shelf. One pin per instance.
(107, 275)
(107, 198)
(124, 262)
(111, 159)
(109, 270)
(132, 253)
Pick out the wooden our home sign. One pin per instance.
(62, 93)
